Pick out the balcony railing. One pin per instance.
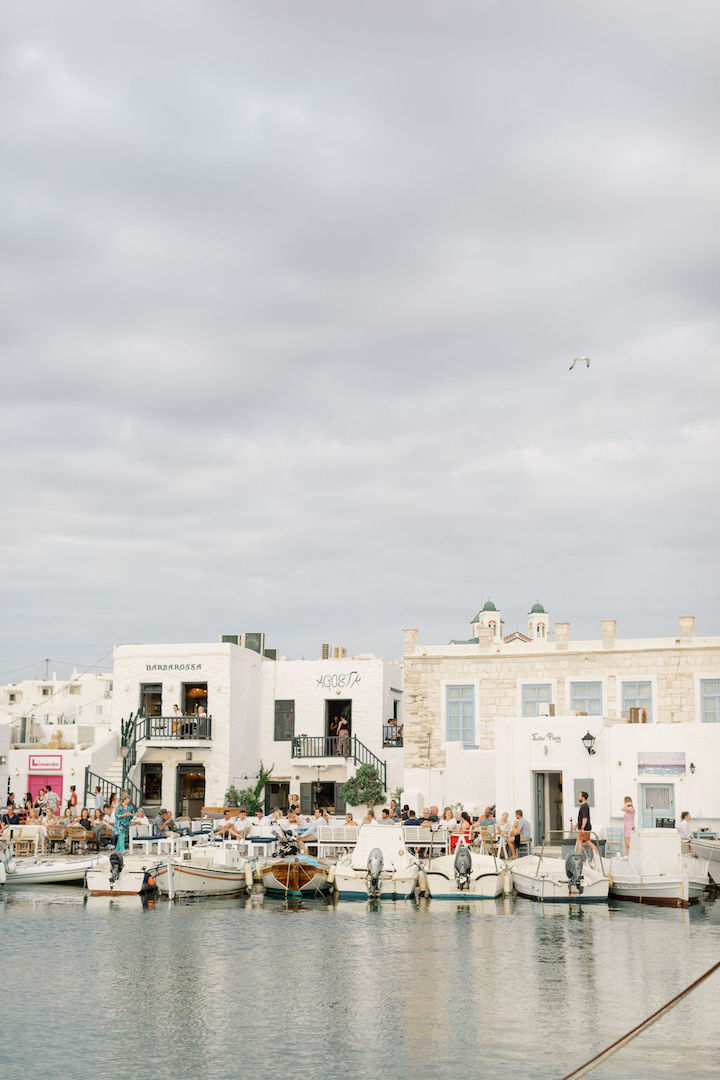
(174, 727)
(304, 746)
(392, 736)
(344, 746)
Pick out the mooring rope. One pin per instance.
(582, 1070)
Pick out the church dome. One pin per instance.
(489, 606)
(537, 609)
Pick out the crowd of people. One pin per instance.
(109, 821)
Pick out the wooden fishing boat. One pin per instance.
(296, 875)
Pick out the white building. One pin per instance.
(257, 708)
(50, 727)
(479, 715)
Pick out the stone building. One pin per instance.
(455, 695)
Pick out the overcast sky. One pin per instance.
(289, 296)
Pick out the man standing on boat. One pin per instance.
(583, 825)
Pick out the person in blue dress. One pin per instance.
(123, 816)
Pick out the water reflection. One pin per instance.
(426, 989)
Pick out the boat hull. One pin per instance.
(48, 873)
(392, 885)
(546, 881)
(190, 880)
(486, 879)
(710, 850)
(673, 893)
(136, 878)
(296, 875)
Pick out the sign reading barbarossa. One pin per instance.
(173, 667)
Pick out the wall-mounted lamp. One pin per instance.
(72, 772)
(692, 766)
(588, 742)
(3, 759)
(17, 772)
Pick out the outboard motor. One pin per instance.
(463, 866)
(375, 865)
(116, 865)
(574, 871)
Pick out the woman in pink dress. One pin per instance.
(629, 822)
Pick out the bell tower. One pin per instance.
(538, 623)
(489, 619)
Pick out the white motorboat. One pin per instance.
(122, 875)
(380, 867)
(710, 850)
(206, 871)
(42, 871)
(559, 881)
(657, 872)
(466, 875)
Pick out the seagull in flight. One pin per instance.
(580, 360)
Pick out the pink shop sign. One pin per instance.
(45, 763)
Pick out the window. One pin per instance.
(193, 696)
(74, 689)
(284, 721)
(46, 691)
(637, 695)
(710, 694)
(536, 699)
(586, 698)
(461, 714)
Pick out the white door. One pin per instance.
(657, 801)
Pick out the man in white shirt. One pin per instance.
(310, 833)
(241, 826)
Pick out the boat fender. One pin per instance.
(331, 875)
(249, 877)
(507, 883)
(422, 881)
(3, 874)
(116, 865)
(11, 866)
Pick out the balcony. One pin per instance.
(392, 736)
(174, 728)
(319, 746)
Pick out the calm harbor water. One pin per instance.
(252, 987)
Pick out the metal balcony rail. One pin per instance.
(345, 746)
(392, 735)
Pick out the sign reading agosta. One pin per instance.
(338, 681)
(173, 667)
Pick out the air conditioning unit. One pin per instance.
(325, 651)
(229, 639)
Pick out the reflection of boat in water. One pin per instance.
(559, 881)
(293, 872)
(122, 875)
(379, 867)
(657, 872)
(466, 875)
(204, 872)
(710, 850)
(19, 872)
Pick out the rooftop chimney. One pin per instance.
(687, 627)
(562, 634)
(410, 642)
(609, 633)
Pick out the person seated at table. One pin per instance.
(140, 817)
(521, 832)
(503, 832)
(67, 818)
(241, 826)
(99, 825)
(349, 822)
(84, 819)
(261, 818)
(11, 816)
(224, 825)
(294, 821)
(294, 803)
(448, 820)
(394, 812)
(369, 819)
(487, 818)
(164, 825)
(310, 834)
